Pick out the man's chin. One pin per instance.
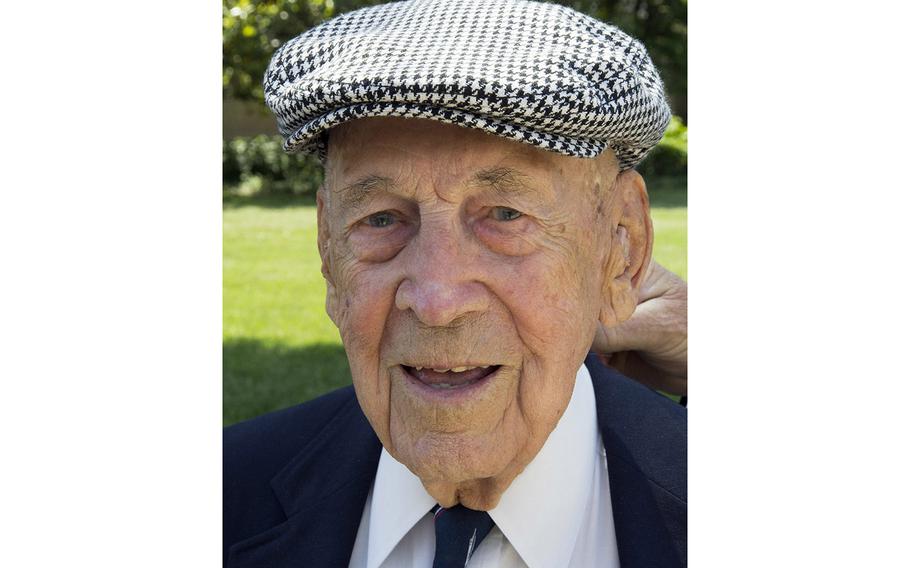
(447, 458)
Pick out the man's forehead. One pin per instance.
(411, 139)
(385, 153)
(505, 182)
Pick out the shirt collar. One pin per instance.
(399, 501)
(540, 523)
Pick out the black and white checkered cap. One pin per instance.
(537, 73)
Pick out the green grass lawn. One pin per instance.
(668, 211)
(280, 348)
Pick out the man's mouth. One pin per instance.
(450, 378)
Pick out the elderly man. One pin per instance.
(480, 221)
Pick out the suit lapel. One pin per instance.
(645, 444)
(322, 492)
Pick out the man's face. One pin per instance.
(466, 274)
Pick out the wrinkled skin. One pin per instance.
(444, 246)
(652, 345)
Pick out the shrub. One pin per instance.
(259, 165)
(670, 157)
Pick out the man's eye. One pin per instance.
(379, 220)
(505, 214)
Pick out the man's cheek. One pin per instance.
(367, 301)
(542, 305)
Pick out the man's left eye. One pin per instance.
(379, 220)
(505, 214)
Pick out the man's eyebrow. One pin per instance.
(354, 195)
(503, 180)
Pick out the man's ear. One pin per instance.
(323, 241)
(630, 254)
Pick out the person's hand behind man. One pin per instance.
(652, 345)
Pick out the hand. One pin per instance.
(652, 345)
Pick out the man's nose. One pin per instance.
(442, 282)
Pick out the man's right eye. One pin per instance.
(380, 220)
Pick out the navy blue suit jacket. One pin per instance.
(296, 480)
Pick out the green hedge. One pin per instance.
(259, 165)
(670, 157)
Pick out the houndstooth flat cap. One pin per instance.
(537, 73)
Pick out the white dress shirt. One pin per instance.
(557, 512)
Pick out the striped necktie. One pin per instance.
(459, 531)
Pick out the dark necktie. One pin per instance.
(459, 531)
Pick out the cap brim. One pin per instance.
(307, 137)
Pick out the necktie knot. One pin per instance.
(459, 531)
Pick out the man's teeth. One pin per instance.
(455, 369)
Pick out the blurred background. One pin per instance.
(279, 347)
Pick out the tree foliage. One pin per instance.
(253, 29)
